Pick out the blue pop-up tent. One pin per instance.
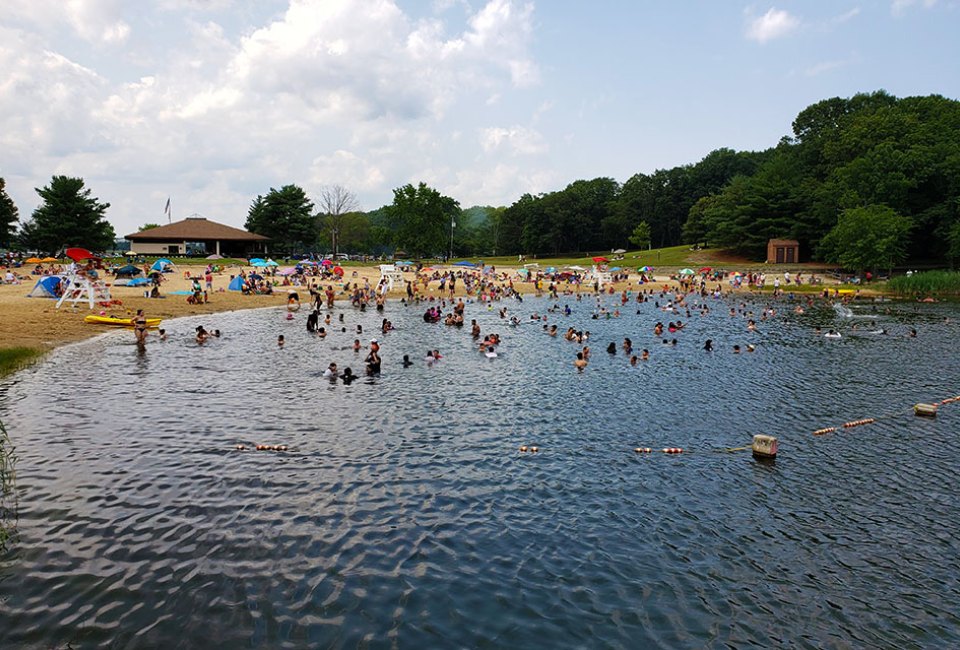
(236, 284)
(46, 287)
(163, 265)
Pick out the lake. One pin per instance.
(403, 513)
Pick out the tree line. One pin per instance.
(865, 182)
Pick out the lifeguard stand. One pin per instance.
(601, 277)
(391, 274)
(80, 288)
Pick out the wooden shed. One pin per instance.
(783, 251)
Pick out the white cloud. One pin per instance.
(776, 23)
(516, 139)
(95, 21)
(897, 7)
(846, 16)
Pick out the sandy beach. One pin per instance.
(37, 323)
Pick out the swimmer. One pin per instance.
(832, 334)
(708, 346)
(280, 341)
(331, 371)
(612, 348)
(580, 363)
(491, 353)
(162, 334)
(736, 349)
(322, 332)
(356, 345)
(202, 334)
(216, 334)
(347, 377)
(633, 360)
(645, 355)
(406, 361)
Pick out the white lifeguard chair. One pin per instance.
(80, 288)
(390, 274)
(600, 277)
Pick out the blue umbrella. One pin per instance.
(465, 263)
(615, 268)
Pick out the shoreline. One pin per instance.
(37, 323)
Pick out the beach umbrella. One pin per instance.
(47, 260)
(402, 263)
(128, 254)
(644, 269)
(705, 269)
(288, 272)
(214, 257)
(270, 263)
(327, 263)
(254, 276)
(551, 269)
(80, 254)
(32, 260)
(619, 251)
(686, 271)
(615, 268)
(523, 272)
(576, 268)
(338, 270)
(600, 259)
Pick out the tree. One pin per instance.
(640, 237)
(69, 216)
(8, 216)
(421, 218)
(148, 226)
(286, 217)
(868, 238)
(335, 202)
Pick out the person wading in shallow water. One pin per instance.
(140, 327)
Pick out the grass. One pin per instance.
(13, 359)
(674, 256)
(927, 283)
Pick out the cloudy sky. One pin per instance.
(212, 102)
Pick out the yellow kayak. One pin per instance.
(119, 322)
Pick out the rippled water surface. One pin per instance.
(403, 513)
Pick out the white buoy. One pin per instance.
(764, 446)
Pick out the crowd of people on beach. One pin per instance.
(677, 306)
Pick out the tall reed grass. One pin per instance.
(12, 359)
(941, 284)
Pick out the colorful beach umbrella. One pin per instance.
(600, 259)
(686, 271)
(47, 260)
(32, 260)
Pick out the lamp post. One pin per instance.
(453, 224)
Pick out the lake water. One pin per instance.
(403, 513)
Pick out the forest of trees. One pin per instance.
(869, 175)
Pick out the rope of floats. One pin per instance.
(763, 446)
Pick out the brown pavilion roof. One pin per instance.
(195, 229)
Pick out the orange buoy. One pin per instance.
(820, 432)
(241, 447)
(534, 449)
(523, 448)
(643, 450)
(672, 450)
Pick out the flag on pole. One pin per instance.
(166, 210)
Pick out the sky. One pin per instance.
(211, 103)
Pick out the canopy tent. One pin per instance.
(236, 284)
(127, 271)
(163, 265)
(465, 263)
(48, 286)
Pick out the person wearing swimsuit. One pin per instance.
(140, 327)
